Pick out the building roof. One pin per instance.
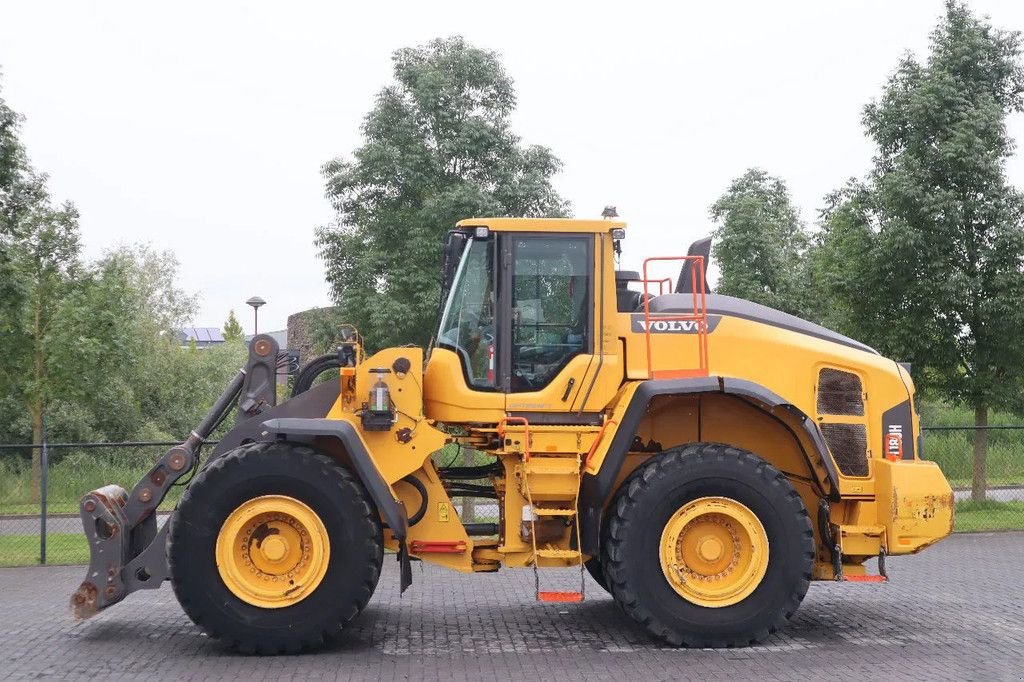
(203, 336)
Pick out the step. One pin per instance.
(860, 540)
(438, 546)
(557, 466)
(541, 511)
(551, 479)
(865, 579)
(558, 553)
(560, 597)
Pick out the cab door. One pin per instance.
(546, 302)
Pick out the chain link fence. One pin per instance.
(39, 495)
(39, 520)
(952, 448)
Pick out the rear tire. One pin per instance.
(642, 515)
(333, 495)
(596, 572)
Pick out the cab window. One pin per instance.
(550, 307)
(467, 326)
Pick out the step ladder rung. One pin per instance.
(558, 481)
(540, 511)
(865, 579)
(558, 553)
(438, 546)
(560, 597)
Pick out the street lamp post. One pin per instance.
(255, 302)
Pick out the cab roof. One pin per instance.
(542, 224)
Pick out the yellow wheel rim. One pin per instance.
(272, 551)
(714, 552)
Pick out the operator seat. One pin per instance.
(626, 300)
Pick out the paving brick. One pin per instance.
(954, 612)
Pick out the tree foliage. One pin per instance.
(232, 328)
(939, 229)
(841, 280)
(438, 148)
(90, 349)
(759, 242)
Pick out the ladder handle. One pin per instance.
(597, 441)
(526, 432)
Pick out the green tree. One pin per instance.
(90, 349)
(760, 242)
(438, 147)
(21, 190)
(841, 279)
(232, 329)
(12, 171)
(942, 233)
(43, 259)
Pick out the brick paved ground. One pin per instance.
(954, 612)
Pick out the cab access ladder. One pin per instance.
(562, 501)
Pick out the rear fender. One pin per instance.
(599, 486)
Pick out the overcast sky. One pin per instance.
(201, 127)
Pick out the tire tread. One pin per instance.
(620, 525)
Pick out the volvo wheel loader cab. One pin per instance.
(702, 457)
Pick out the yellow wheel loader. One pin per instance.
(702, 457)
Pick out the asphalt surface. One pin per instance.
(955, 611)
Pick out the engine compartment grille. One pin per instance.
(849, 446)
(840, 393)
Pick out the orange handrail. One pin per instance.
(662, 283)
(526, 433)
(597, 441)
(699, 315)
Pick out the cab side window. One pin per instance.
(550, 307)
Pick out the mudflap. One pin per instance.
(405, 567)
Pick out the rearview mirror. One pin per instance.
(454, 245)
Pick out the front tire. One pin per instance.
(274, 548)
(708, 546)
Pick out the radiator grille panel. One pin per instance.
(840, 392)
(849, 446)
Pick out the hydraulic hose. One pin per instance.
(314, 368)
(422, 490)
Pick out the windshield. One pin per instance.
(467, 325)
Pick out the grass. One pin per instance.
(61, 548)
(75, 474)
(953, 451)
(989, 515)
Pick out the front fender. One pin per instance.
(305, 430)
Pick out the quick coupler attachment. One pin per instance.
(126, 551)
(105, 524)
(115, 521)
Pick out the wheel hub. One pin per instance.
(274, 548)
(710, 548)
(272, 551)
(714, 551)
